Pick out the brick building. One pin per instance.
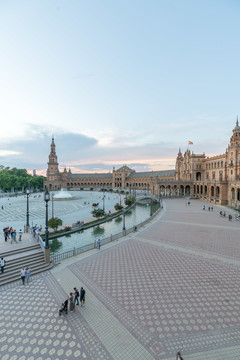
(216, 179)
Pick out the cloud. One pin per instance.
(32, 150)
(84, 153)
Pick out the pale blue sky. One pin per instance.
(117, 82)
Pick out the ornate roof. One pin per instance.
(125, 168)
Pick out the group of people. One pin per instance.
(25, 274)
(75, 298)
(210, 208)
(9, 233)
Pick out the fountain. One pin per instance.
(63, 195)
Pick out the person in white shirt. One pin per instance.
(20, 235)
(23, 275)
(2, 264)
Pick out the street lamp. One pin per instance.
(46, 199)
(52, 205)
(28, 194)
(151, 210)
(124, 213)
(103, 202)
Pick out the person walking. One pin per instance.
(28, 273)
(179, 356)
(20, 235)
(23, 275)
(2, 264)
(71, 303)
(99, 244)
(82, 296)
(76, 296)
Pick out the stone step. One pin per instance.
(11, 259)
(39, 269)
(16, 258)
(16, 271)
(9, 251)
(17, 265)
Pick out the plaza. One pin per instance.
(173, 286)
(13, 209)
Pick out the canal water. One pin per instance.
(133, 217)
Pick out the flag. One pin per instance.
(190, 143)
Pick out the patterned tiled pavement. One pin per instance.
(172, 286)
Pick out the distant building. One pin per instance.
(34, 173)
(215, 179)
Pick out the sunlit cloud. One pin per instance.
(9, 153)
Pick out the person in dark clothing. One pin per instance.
(82, 296)
(179, 356)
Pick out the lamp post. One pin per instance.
(151, 210)
(52, 205)
(124, 227)
(103, 202)
(46, 199)
(28, 194)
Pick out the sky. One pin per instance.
(116, 81)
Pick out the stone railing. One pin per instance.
(55, 258)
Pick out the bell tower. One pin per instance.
(53, 175)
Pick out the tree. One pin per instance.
(18, 179)
(118, 207)
(98, 213)
(54, 223)
(130, 200)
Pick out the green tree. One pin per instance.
(18, 179)
(98, 213)
(54, 223)
(118, 207)
(130, 200)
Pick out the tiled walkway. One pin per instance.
(172, 286)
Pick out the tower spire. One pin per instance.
(237, 121)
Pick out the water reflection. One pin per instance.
(134, 217)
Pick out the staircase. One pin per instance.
(15, 259)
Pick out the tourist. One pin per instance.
(179, 356)
(13, 236)
(2, 263)
(28, 273)
(20, 235)
(76, 296)
(82, 296)
(203, 207)
(72, 305)
(23, 275)
(99, 244)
